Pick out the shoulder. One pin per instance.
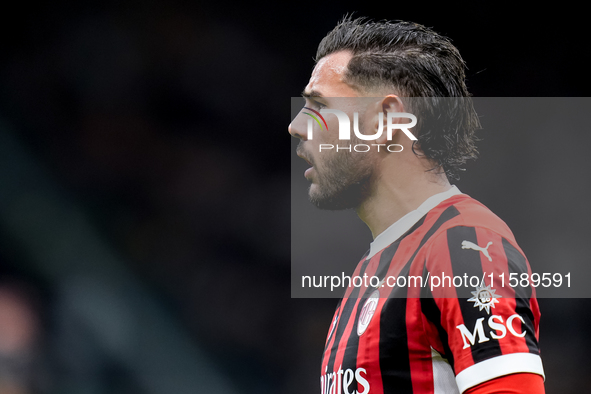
(471, 240)
(488, 318)
(467, 211)
(461, 216)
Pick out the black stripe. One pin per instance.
(446, 215)
(394, 353)
(413, 228)
(518, 264)
(341, 301)
(332, 332)
(386, 259)
(344, 319)
(431, 311)
(388, 253)
(467, 262)
(350, 355)
(450, 213)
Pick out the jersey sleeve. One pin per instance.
(519, 383)
(485, 324)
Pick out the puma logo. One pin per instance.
(471, 245)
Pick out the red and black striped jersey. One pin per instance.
(411, 333)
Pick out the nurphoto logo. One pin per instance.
(345, 129)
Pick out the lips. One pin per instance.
(300, 153)
(308, 172)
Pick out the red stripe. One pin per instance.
(439, 263)
(506, 306)
(341, 346)
(318, 113)
(368, 353)
(419, 346)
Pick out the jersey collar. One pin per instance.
(404, 224)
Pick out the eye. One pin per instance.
(314, 104)
(318, 105)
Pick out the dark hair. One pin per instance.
(417, 63)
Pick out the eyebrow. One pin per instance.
(312, 93)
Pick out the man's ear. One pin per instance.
(390, 103)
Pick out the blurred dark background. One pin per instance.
(145, 188)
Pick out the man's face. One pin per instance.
(339, 179)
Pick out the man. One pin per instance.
(390, 337)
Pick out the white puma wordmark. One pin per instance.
(471, 245)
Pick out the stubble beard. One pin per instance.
(344, 181)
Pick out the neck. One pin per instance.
(393, 196)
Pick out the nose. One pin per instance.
(297, 128)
